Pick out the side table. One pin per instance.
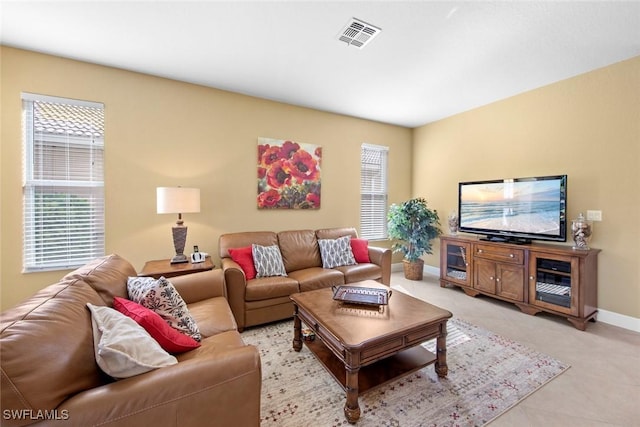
(163, 267)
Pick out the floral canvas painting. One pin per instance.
(288, 174)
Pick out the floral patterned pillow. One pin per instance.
(162, 297)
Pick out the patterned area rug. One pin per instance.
(488, 374)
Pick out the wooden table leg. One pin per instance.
(351, 407)
(441, 352)
(297, 330)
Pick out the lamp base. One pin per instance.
(179, 259)
(179, 239)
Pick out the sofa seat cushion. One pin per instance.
(57, 323)
(264, 288)
(213, 345)
(360, 272)
(212, 316)
(317, 278)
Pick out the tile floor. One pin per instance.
(602, 387)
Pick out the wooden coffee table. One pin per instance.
(364, 347)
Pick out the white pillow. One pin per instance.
(268, 261)
(122, 347)
(162, 297)
(336, 252)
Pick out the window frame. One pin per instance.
(63, 183)
(374, 194)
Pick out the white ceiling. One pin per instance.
(432, 59)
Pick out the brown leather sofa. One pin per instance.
(50, 376)
(266, 299)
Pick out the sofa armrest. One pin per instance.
(200, 286)
(224, 386)
(236, 284)
(382, 257)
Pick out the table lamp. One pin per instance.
(178, 200)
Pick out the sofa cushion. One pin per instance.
(336, 252)
(55, 322)
(161, 296)
(268, 261)
(169, 338)
(360, 272)
(213, 346)
(317, 278)
(299, 249)
(360, 248)
(213, 316)
(122, 347)
(107, 275)
(334, 233)
(244, 258)
(270, 287)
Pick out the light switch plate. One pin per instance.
(594, 215)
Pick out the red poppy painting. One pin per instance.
(288, 174)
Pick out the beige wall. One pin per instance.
(587, 127)
(166, 133)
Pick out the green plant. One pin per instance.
(413, 225)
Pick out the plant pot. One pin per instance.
(413, 269)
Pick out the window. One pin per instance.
(373, 191)
(63, 188)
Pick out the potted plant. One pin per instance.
(413, 225)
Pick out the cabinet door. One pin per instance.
(510, 282)
(484, 276)
(454, 259)
(553, 282)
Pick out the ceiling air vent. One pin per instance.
(358, 33)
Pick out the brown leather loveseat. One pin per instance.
(50, 375)
(266, 299)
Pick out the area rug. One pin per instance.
(488, 374)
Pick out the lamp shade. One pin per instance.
(177, 200)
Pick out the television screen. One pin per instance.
(519, 208)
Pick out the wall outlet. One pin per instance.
(594, 215)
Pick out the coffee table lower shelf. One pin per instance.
(378, 373)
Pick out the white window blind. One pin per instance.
(63, 190)
(373, 191)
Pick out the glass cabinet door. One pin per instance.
(455, 257)
(553, 282)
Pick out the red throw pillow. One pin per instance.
(170, 339)
(360, 249)
(244, 258)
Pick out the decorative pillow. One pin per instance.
(161, 296)
(360, 248)
(336, 252)
(244, 258)
(123, 348)
(169, 339)
(268, 261)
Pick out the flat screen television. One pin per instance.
(516, 210)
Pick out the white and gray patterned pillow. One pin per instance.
(162, 297)
(268, 261)
(336, 252)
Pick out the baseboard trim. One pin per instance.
(604, 316)
(620, 320)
